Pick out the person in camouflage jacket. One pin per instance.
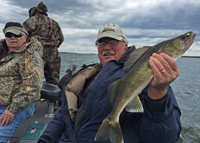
(50, 35)
(21, 78)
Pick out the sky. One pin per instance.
(144, 22)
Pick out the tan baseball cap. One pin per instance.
(112, 31)
(15, 28)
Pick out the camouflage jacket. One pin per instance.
(47, 30)
(21, 76)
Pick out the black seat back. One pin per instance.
(51, 91)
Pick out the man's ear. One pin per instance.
(25, 37)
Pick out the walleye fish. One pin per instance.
(124, 92)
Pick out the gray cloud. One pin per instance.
(145, 22)
(138, 14)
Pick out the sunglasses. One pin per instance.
(9, 35)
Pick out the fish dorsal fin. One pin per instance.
(135, 105)
(112, 89)
(134, 56)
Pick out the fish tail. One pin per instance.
(110, 129)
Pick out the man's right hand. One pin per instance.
(6, 118)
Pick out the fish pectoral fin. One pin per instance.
(112, 89)
(135, 105)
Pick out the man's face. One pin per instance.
(109, 53)
(14, 43)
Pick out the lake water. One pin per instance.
(186, 89)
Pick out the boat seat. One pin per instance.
(52, 92)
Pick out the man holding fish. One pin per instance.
(126, 98)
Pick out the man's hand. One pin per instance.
(6, 118)
(165, 71)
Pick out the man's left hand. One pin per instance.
(6, 118)
(165, 71)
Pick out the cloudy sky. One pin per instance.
(145, 22)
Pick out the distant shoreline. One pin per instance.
(190, 56)
(79, 53)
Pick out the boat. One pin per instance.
(32, 129)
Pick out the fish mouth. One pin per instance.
(190, 39)
(108, 53)
(193, 35)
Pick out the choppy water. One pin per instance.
(187, 91)
(186, 88)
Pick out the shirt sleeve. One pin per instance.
(154, 106)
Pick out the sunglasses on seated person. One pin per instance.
(9, 35)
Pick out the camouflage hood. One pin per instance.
(41, 8)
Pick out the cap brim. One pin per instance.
(14, 31)
(109, 36)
